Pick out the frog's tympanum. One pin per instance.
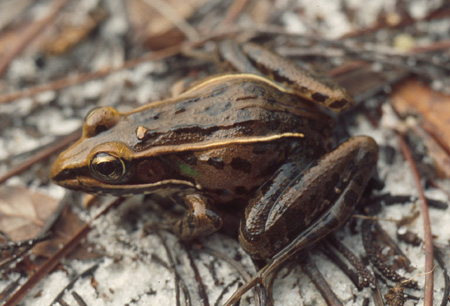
(258, 140)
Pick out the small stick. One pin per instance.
(233, 12)
(198, 278)
(70, 285)
(89, 76)
(319, 281)
(429, 258)
(176, 19)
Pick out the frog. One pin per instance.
(256, 139)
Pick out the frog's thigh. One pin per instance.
(303, 206)
(199, 220)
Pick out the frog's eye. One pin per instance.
(107, 167)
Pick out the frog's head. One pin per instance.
(92, 158)
(102, 160)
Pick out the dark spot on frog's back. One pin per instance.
(219, 90)
(191, 101)
(218, 108)
(338, 103)
(271, 100)
(254, 89)
(240, 164)
(216, 162)
(179, 110)
(319, 97)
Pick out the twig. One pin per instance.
(198, 278)
(10, 288)
(437, 14)
(172, 15)
(434, 184)
(429, 258)
(79, 299)
(441, 262)
(89, 76)
(40, 156)
(14, 9)
(365, 278)
(177, 278)
(329, 251)
(24, 243)
(225, 291)
(387, 240)
(233, 12)
(85, 77)
(238, 267)
(371, 251)
(53, 261)
(389, 199)
(347, 68)
(319, 281)
(73, 281)
(30, 34)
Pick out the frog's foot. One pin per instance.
(199, 220)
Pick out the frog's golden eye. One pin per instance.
(107, 167)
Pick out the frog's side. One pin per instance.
(238, 138)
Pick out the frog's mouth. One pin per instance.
(124, 190)
(69, 180)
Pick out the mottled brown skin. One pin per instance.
(232, 139)
(255, 59)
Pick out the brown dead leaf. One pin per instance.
(23, 213)
(65, 228)
(413, 97)
(440, 157)
(69, 35)
(12, 37)
(260, 11)
(154, 29)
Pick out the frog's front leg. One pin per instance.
(298, 206)
(198, 220)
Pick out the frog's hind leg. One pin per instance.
(300, 206)
(296, 208)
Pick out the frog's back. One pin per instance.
(228, 138)
(236, 108)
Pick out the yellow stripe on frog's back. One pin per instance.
(160, 150)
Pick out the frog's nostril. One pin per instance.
(58, 173)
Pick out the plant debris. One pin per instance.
(59, 59)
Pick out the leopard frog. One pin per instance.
(257, 141)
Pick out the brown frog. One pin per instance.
(256, 140)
